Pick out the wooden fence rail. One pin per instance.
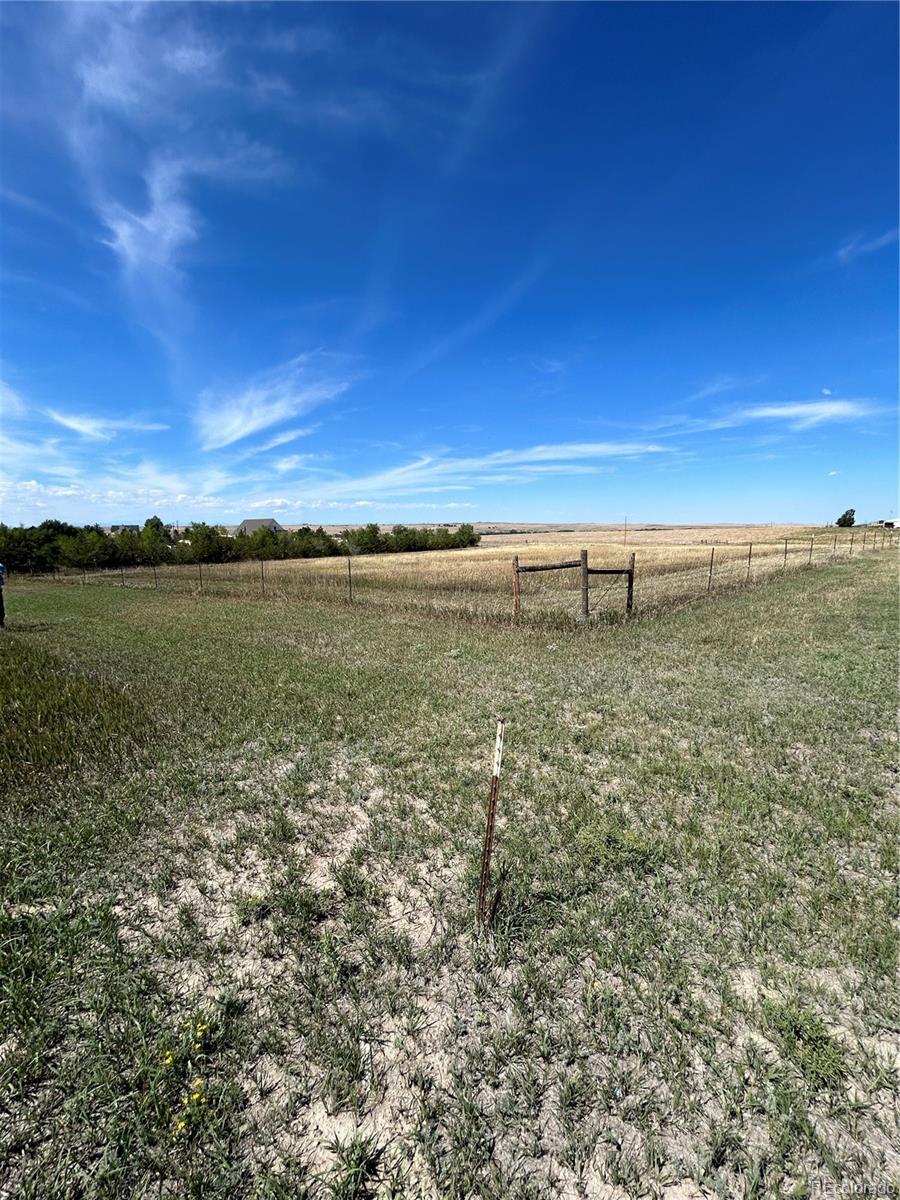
(586, 572)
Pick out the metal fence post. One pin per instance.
(200, 573)
(155, 579)
(785, 551)
(349, 580)
(585, 584)
(712, 559)
(629, 597)
(850, 555)
(749, 561)
(122, 573)
(517, 587)
(262, 577)
(809, 560)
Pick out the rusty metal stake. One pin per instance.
(712, 559)
(629, 595)
(489, 828)
(517, 587)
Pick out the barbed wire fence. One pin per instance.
(653, 576)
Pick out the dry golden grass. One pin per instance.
(478, 582)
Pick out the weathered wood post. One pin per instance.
(349, 580)
(489, 826)
(850, 555)
(629, 598)
(155, 579)
(200, 574)
(749, 561)
(865, 531)
(585, 585)
(712, 559)
(262, 577)
(517, 587)
(122, 575)
(834, 547)
(785, 551)
(809, 560)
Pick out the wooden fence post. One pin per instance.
(834, 547)
(517, 587)
(864, 539)
(785, 551)
(850, 555)
(262, 577)
(200, 573)
(585, 584)
(349, 580)
(712, 559)
(629, 598)
(155, 579)
(809, 560)
(489, 826)
(749, 561)
(122, 575)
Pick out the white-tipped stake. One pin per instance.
(491, 819)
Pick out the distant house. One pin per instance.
(124, 529)
(248, 527)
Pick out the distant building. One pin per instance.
(248, 527)
(124, 529)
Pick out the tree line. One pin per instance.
(54, 544)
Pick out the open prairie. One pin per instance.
(241, 847)
(478, 583)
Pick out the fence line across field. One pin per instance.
(478, 584)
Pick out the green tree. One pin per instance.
(846, 519)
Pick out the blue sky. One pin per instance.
(449, 262)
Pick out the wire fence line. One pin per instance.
(480, 583)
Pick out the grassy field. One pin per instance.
(477, 583)
(240, 849)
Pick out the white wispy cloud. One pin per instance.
(280, 394)
(447, 473)
(721, 384)
(11, 402)
(479, 322)
(859, 245)
(803, 414)
(806, 414)
(282, 439)
(102, 429)
(137, 102)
